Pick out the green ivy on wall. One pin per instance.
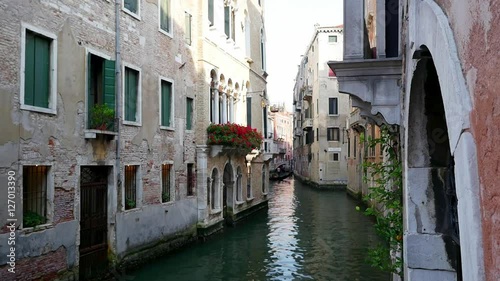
(385, 202)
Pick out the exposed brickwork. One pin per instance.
(45, 267)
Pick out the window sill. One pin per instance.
(92, 133)
(333, 115)
(171, 202)
(265, 193)
(239, 203)
(166, 128)
(39, 109)
(215, 211)
(28, 230)
(132, 14)
(169, 34)
(133, 210)
(250, 199)
(131, 123)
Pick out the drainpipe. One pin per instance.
(118, 88)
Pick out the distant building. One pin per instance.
(282, 135)
(320, 145)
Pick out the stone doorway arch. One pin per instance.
(439, 147)
(228, 193)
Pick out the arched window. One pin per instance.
(264, 179)
(263, 49)
(214, 190)
(239, 192)
(249, 183)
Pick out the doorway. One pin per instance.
(93, 221)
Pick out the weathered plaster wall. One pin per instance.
(58, 140)
(476, 25)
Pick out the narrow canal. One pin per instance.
(306, 234)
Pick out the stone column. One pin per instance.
(216, 106)
(353, 29)
(231, 109)
(201, 181)
(224, 108)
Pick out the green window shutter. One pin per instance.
(29, 69)
(109, 83)
(166, 100)
(131, 89)
(37, 70)
(249, 112)
(226, 20)
(189, 114)
(42, 71)
(90, 91)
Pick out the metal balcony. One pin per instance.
(298, 132)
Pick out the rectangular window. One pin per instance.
(333, 156)
(166, 182)
(190, 179)
(187, 28)
(332, 39)
(317, 134)
(131, 180)
(333, 134)
(37, 70)
(227, 21)
(211, 12)
(132, 6)
(189, 113)
(34, 195)
(131, 95)
(166, 104)
(165, 16)
(354, 146)
(333, 106)
(101, 93)
(348, 147)
(249, 112)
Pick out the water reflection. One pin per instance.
(306, 234)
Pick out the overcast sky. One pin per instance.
(289, 30)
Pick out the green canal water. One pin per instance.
(306, 234)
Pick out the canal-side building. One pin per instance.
(231, 89)
(92, 189)
(428, 68)
(105, 128)
(320, 146)
(360, 152)
(282, 121)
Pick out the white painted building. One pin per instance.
(320, 145)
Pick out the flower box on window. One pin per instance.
(232, 139)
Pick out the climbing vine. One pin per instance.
(385, 202)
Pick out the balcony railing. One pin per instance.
(308, 91)
(307, 124)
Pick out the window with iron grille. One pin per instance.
(166, 182)
(131, 187)
(190, 179)
(34, 195)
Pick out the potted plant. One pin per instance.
(102, 117)
(234, 135)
